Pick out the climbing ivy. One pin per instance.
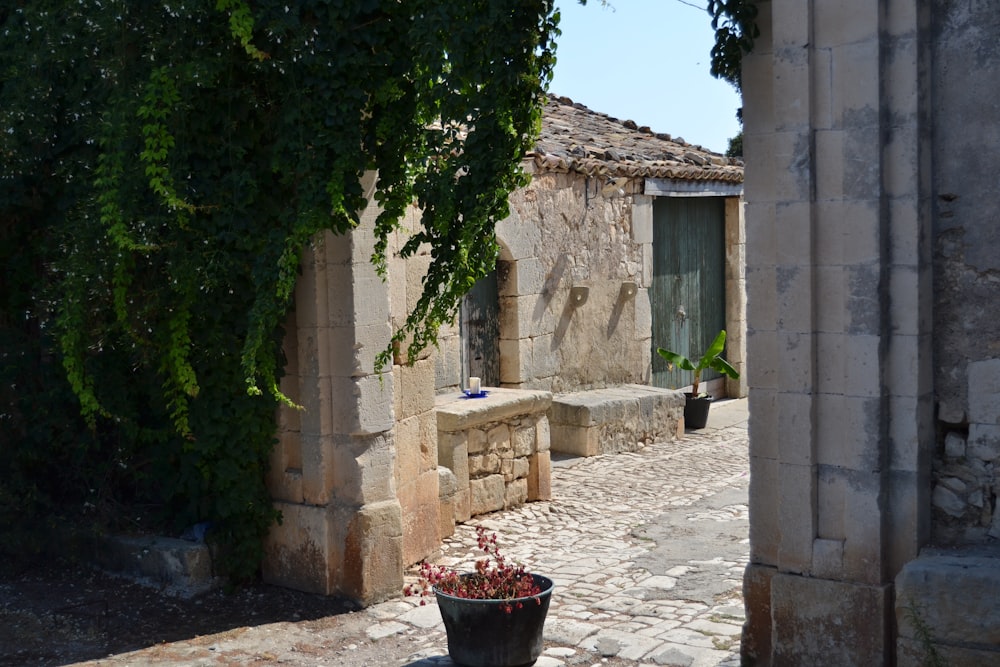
(735, 25)
(179, 155)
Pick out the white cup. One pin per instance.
(474, 387)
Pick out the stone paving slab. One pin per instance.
(647, 550)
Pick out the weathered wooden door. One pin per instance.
(688, 292)
(480, 329)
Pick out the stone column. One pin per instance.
(333, 471)
(838, 343)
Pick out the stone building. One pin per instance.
(872, 269)
(378, 467)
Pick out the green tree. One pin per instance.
(165, 163)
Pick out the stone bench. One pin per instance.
(493, 452)
(616, 419)
(949, 600)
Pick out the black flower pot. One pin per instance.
(696, 411)
(496, 633)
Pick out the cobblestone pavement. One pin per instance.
(646, 549)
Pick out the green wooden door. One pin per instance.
(688, 293)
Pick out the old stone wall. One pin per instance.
(415, 475)
(332, 474)
(497, 448)
(839, 329)
(872, 274)
(966, 124)
(565, 233)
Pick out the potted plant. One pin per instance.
(697, 404)
(493, 616)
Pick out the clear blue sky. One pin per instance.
(648, 61)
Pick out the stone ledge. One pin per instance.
(458, 413)
(955, 594)
(615, 419)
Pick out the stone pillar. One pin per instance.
(838, 350)
(333, 471)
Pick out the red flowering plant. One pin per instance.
(493, 579)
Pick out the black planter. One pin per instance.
(696, 411)
(481, 633)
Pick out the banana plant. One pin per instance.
(711, 359)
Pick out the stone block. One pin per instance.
(177, 567)
(428, 441)
(765, 529)
(762, 347)
(526, 316)
(519, 237)
(488, 494)
(540, 476)
(516, 493)
(844, 23)
(507, 470)
(642, 219)
(364, 469)
(526, 276)
(847, 431)
(447, 370)
(408, 444)
(822, 622)
(362, 406)
(420, 504)
(575, 440)
(983, 442)
(416, 388)
(795, 415)
(453, 453)
(520, 467)
(284, 476)
(755, 645)
(955, 594)
(481, 465)
(643, 313)
(765, 427)
(515, 361)
(317, 415)
(797, 516)
(647, 265)
(477, 443)
(373, 553)
(796, 369)
(317, 468)
(984, 391)
(542, 434)
(448, 500)
(546, 359)
(524, 438)
(828, 558)
(297, 553)
(416, 269)
(498, 439)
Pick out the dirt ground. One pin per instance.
(64, 614)
(58, 614)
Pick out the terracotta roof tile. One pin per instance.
(574, 138)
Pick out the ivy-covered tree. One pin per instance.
(735, 25)
(165, 163)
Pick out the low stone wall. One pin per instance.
(616, 419)
(497, 450)
(948, 604)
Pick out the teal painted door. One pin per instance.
(480, 327)
(688, 292)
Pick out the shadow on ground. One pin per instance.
(59, 613)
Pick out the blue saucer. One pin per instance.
(482, 393)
